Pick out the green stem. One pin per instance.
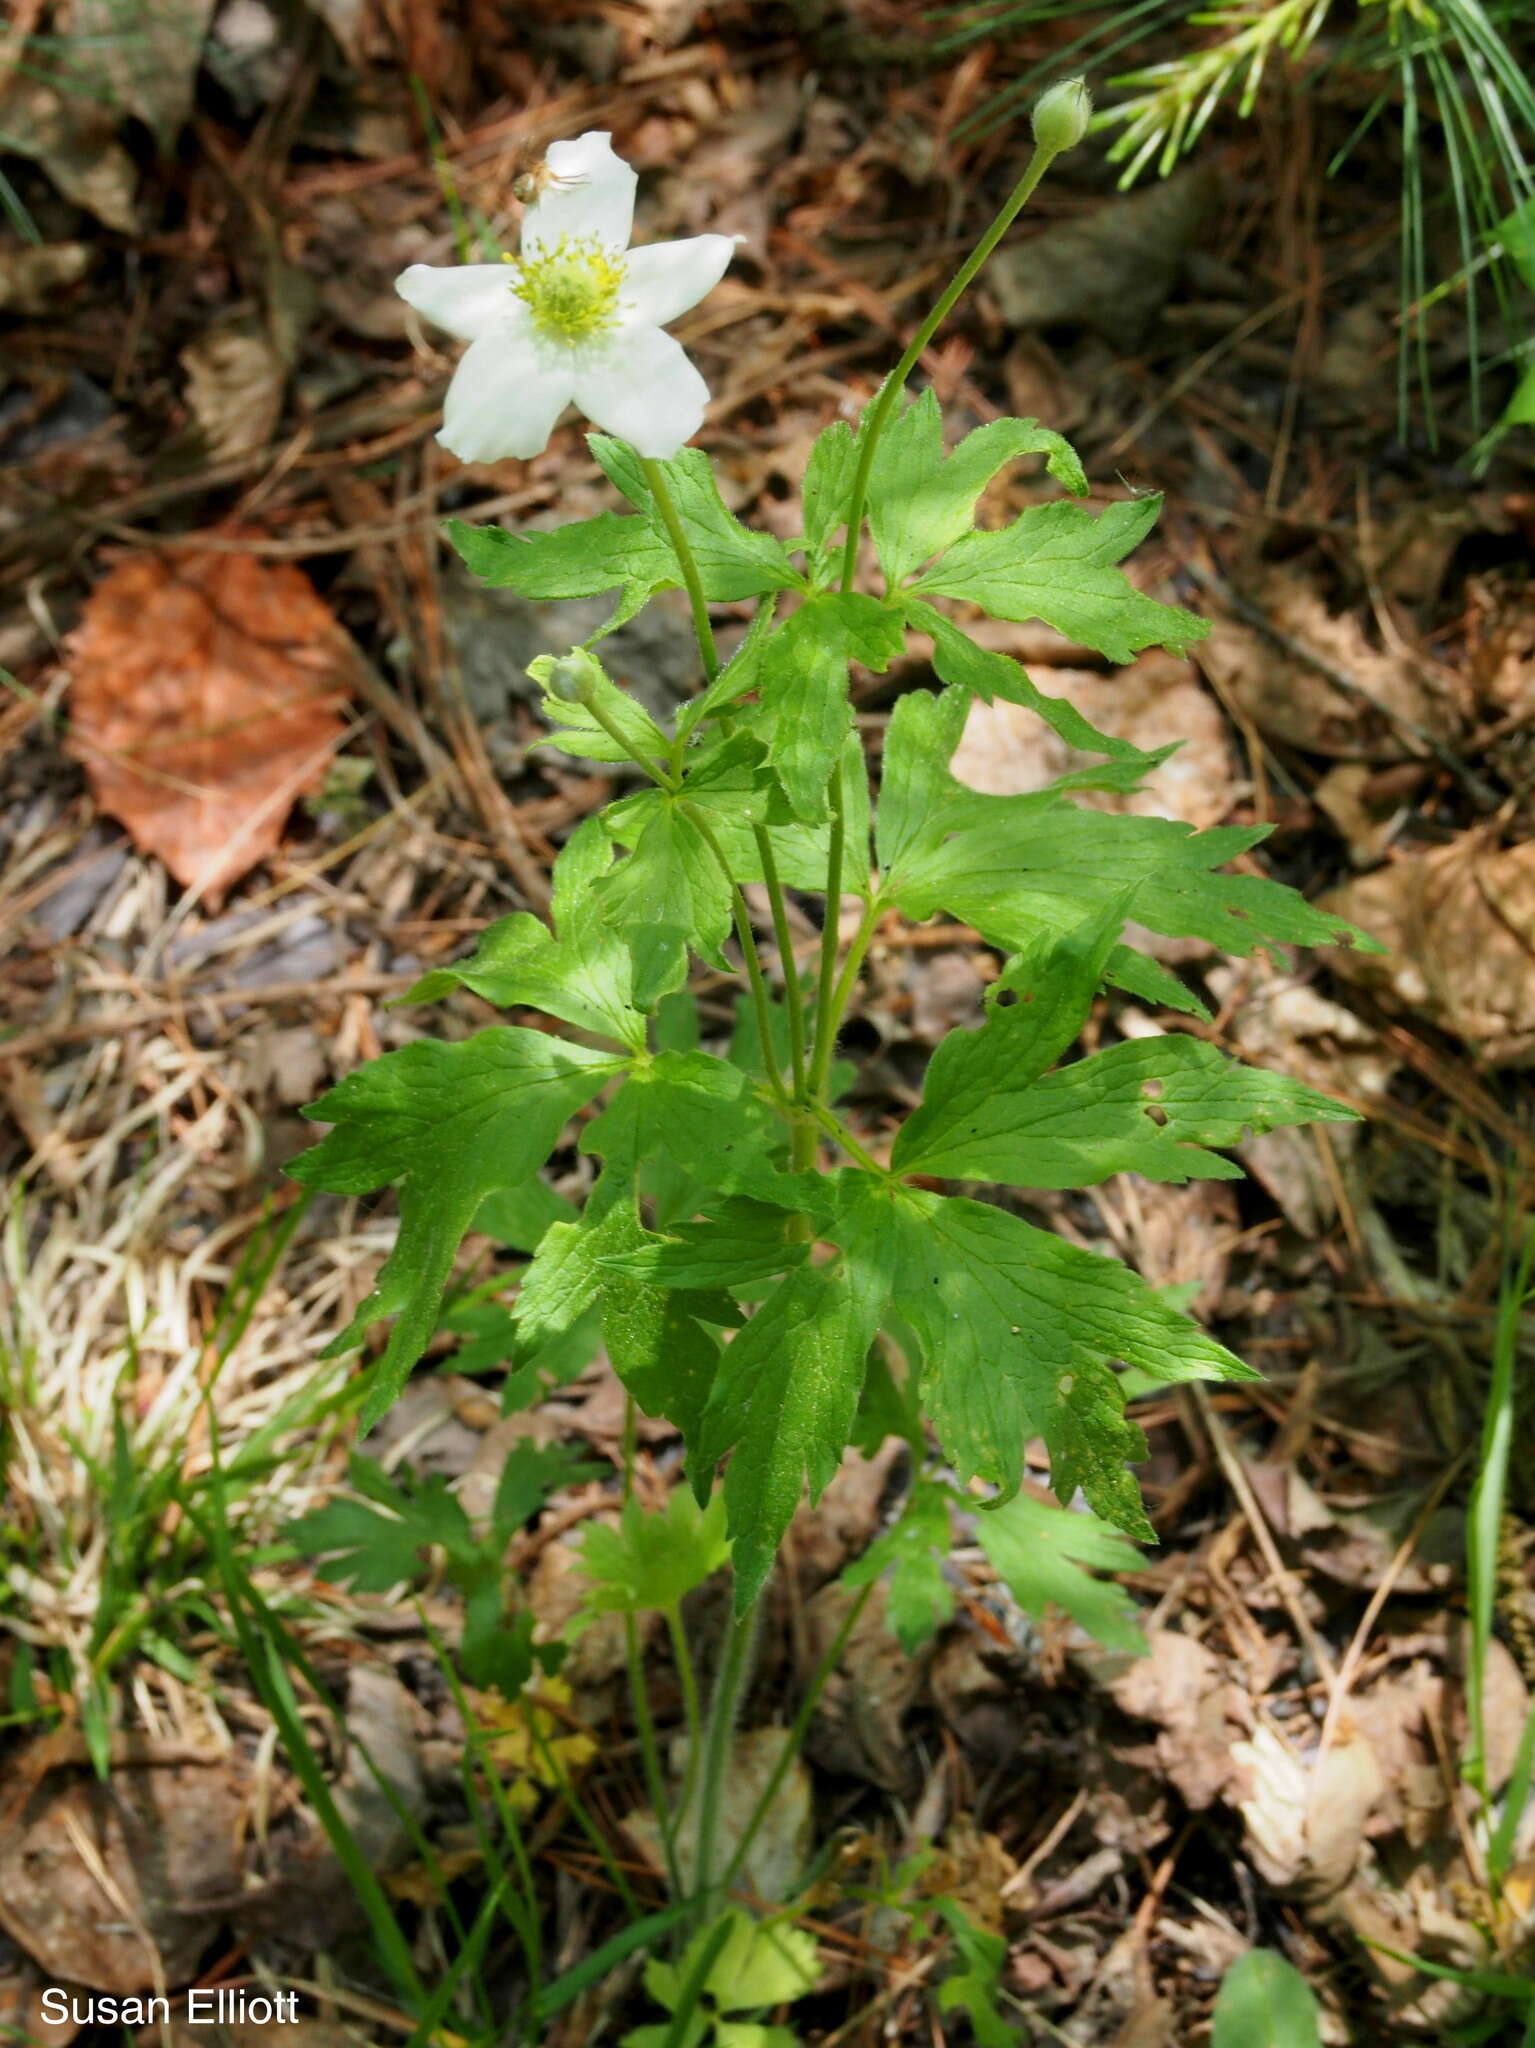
(650, 1756)
(692, 582)
(562, 1782)
(855, 957)
(825, 1022)
(893, 385)
(687, 1678)
(793, 995)
(657, 775)
(761, 1001)
(838, 1131)
(693, 1989)
(708, 652)
(634, 1663)
(797, 1732)
(725, 1704)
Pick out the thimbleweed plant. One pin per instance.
(759, 1272)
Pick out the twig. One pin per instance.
(1284, 1579)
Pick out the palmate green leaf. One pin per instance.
(737, 676)
(922, 803)
(580, 972)
(803, 680)
(1034, 1012)
(670, 893)
(706, 1118)
(657, 1340)
(1018, 867)
(1018, 1330)
(1056, 563)
(582, 559)
(728, 776)
(922, 502)
(827, 491)
(713, 1122)
(661, 1342)
(518, 1216)
(652, 1561)
(739, 1242)
(762, 1963)
(959, 660)
(799, 850)
(385, 1540)
(529, 1474)
(974, 1987)
(733, 561)
(449, 1123)
(1046, 1556)
(919, 1600)
(785, 1399)
(990, 1111)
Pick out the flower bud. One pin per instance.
(573, 677)
(1061, 115)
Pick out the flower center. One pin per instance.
(571, 289)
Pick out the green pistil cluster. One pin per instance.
(571, 289)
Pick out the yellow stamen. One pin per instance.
(571, 289)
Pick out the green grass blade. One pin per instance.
(1484, 1516)
(274, 1687)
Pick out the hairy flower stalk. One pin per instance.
(575, 318)
(1060, 123)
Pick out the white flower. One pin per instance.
(577, 317)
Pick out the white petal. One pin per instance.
(466, 299)
(504, 400)
(590, 193)
(663, 279)
(645, 391)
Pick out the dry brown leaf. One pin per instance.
(120, 1886)
(860, 1726)
(1502, 646)
(1305, 1817)
(31, 278)
(142, 60)
(204, 700)
(1179, 1685)
(1293, 700)
(1458, 925)
(782, 1845)
(1280, 1022)
(73, 139)
(234, 388)
(22, 1986)
(1006, 750)
(1358, 1547)
(382, 1782)
(846, 1519)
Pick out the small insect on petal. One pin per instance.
(533, 180)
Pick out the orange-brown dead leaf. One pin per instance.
(205, 698)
